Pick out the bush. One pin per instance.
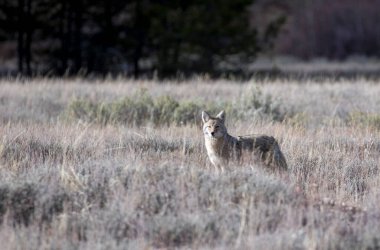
(164, 108)
(82, 110)
(137, 110)
(187, 113)
(298, 119)
(364, 119)
(141, 108)
(256, 104)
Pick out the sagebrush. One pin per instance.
(116, 165)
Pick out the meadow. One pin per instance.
(120, 164)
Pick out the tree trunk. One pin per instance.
(139, 41)
(77, 43)
(62, 55)
(28, 38)
(20, 37)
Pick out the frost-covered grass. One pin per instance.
(70, 180)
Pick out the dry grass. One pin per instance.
(66, 183)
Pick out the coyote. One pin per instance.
(222, 147)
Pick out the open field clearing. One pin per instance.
(121, 165)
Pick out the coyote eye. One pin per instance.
(216, 127)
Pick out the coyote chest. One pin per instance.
(223, 148)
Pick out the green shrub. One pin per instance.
(83, 110)
(214, 108)
(255, 104)
(364, 119)
(298, 119)
(135, 110)
(164, 108)
(120, 111)
(187, 112)
(103, 113)
(141, 108)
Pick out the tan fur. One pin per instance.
(223, 148)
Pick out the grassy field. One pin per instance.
(120, 164)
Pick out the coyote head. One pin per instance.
(213, 127)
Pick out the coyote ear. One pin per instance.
(221, 115)
(205, 116)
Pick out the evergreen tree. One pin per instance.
(135, 37)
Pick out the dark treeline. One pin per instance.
(177, 37)
(135, 37)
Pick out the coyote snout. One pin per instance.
(222, 147)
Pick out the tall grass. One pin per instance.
(107, 166)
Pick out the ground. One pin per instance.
(112, 164)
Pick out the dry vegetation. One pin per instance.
(121, 164)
